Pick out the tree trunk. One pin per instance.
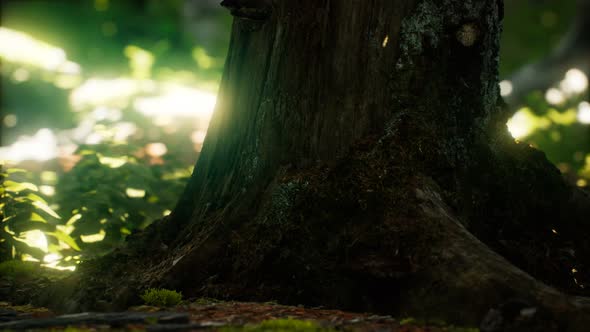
(358, 158)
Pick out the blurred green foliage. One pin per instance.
(113, 192)
(531, 30)
(556, 130)
(84, 203)
(106, 196)
(95, 34)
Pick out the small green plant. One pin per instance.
(161, 297)
(24, 211)
(281, 325)
(110, 193)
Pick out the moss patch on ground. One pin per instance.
(280, 325)
(161, 297)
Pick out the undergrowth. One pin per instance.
(161, 297)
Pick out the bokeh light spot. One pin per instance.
(575, 81)
(554, 96)
(584, 112)
(10, 120)
(156, 149)
(21, 75)
(505, 88)
(135, 193)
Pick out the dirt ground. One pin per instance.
(204, 314)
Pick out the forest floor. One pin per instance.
(21, 281)
(205, 314)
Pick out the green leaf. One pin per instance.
(19, 186)
(43, 206)
(38, 218)
(65, 238)
(77, 216)
(15, 170)
(36, 198)
(86, 152)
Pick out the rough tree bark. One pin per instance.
(358, 158)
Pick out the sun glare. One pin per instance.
(177, 100)
(41, 147)
(520, 125)
(102, 92)
(19, 47)
(35, 238)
